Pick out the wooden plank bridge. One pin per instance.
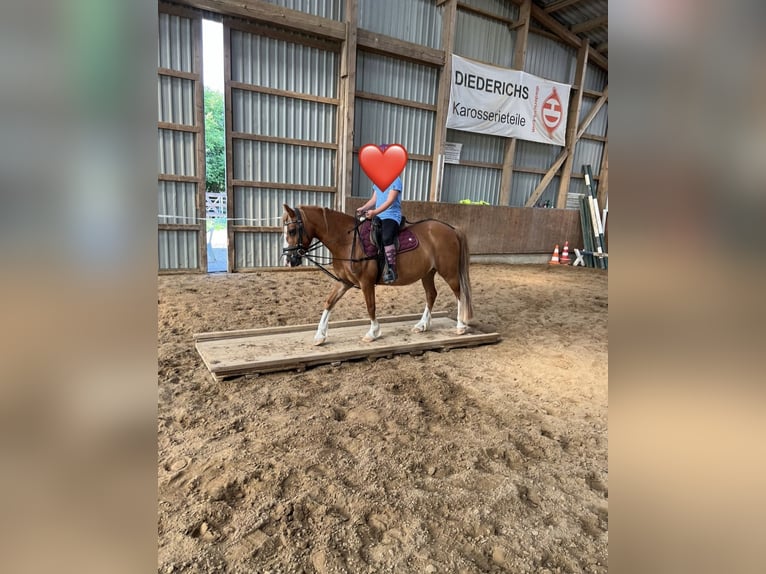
(229, 354)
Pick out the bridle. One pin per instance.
(295, 253)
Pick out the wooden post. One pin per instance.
(199, 120)
(229, 155)
(449, 16)
(519, 56)
(575, 105)
(345, 152)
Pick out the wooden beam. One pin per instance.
(228, 128)
(260, 11)
(345, 158)
(449, 20)
(199, 120)
(546, 179)
(279, 140)
(575, 105)
(603, 47)
(397, 101)
(285, 93)
(392, 46)
(592, 24)
(519, 56)
(566, 34)
(592, 113)
(555, 6)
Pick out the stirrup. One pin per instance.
(389, 275)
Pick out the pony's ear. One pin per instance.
(289, 211)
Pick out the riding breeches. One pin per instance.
(389, 229)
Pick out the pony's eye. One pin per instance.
(291, 232)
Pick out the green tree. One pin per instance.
(215, 149)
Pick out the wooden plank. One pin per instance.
(589, 25)
(290, 141)
(498, 229)
(267, 31)
(398, 101)
(177, 74)
(449, 21)
(178, 127)
(278, 351)
(554, 6)
(260, 11)
(178, 178)
(218, 335)
(285, 93)
(393, 46)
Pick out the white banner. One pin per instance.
(502, 102)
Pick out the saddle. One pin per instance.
(372, 241)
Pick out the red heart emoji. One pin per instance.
(382, 167)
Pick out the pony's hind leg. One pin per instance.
(454, 283)
(338, 291)
(428, 285)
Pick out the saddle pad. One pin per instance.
(407, 240)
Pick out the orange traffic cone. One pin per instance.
(555, 259)
(565, 254)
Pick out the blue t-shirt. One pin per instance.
(394, 210)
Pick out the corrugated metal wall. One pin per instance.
(550, 59)
(377, 122)
(416, 21)
(286, 66)
(484, 39)
(178, 201)
(175, 47)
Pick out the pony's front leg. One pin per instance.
(369, 298)
(338, 291)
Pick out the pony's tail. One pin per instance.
(466, 306)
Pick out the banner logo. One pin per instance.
(552, 112)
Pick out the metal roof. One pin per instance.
(587, 19)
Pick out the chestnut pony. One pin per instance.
(442, 249)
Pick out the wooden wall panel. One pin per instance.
(498, 230)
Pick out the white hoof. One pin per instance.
(419, 328)
(319, 341)
(460, 331)
(367, 339)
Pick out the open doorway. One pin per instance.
(215, 147)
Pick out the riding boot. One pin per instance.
(389, 275)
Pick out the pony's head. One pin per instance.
(296, 241)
